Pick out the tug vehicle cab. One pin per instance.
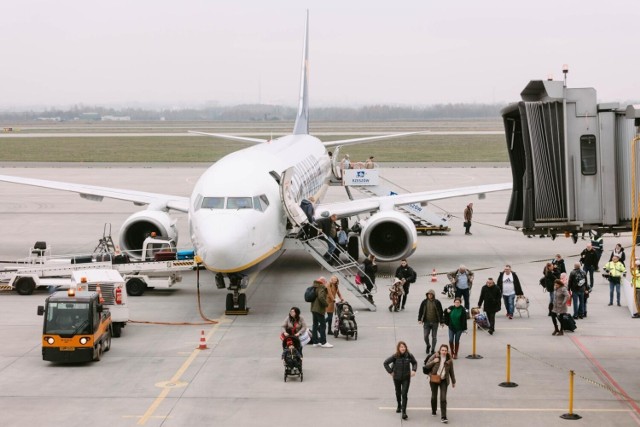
(76, 328)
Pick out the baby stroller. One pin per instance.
(449, 290)
(395, 295)
(292, 358)
(346, 319)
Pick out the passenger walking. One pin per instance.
(509, 285)
(408, 276)
(558, 264)
(318, 310)
(550, 275)
(577, 286)
(369, 280)
(559, 306)
(401, 366)
(329, 231)
(598, 245)
(490, 295)
(430, 316)
(615, 270)
(293, 326)
(589, 261)
(332, 291)
(462, 280)
(456, 318)
(468, 215)
(439, 369)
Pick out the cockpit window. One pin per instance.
(213, 203)
(265, 201)
(256, 204)
(239, 203)
(198, 202)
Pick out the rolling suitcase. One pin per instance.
(567, 322)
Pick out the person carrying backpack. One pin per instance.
(577, 286)
(318, 310)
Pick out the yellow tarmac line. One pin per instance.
(174, 381)
(576, 410)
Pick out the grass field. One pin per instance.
(182, 148)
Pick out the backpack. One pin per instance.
(581, 279)
(310, 294)
(342, 238)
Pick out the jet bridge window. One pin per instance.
(239, 203)
(588, 155)
(213, 203)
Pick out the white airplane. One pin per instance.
(239, 207)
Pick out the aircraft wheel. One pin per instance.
(242, 301)
(135, 287)
(25, 286)
(229, 304)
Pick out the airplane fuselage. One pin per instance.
(237, 220)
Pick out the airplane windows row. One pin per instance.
(259, 203)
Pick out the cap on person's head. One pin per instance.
(289, 342)
(432, 292)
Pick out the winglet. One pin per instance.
(302, 119)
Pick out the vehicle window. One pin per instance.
(67, 318)
(256, 204)
(264, 200)
(239, 203)
(198, 202)
(588, 153)
(213, 203)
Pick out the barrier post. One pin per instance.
(474, 355)
(570, 415)
(508, 383)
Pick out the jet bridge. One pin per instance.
(571, 161)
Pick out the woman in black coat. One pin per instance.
(491, 296)
(401, 366)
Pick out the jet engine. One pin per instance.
(140, 225)
(389, 235)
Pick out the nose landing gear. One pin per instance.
(236, 302)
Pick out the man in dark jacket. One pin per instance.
(510, 287)
(589, 261)
(577, 285)
(430, 317)
(329, 231)
(318, 310)
(490, 296)
(408, 276)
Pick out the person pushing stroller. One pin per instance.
(395, 294)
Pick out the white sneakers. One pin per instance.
(326, 345)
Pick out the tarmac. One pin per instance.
(154, 375)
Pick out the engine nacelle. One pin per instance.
(140, 225)
(389, 235)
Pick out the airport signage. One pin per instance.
(357, 177)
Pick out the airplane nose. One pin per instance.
(219, 235)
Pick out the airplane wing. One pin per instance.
(373, 204)
(248, 140)
(353, 141)
(96, 193)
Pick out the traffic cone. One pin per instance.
(434, 278)
(203, 342)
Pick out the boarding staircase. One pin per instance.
(421, 216)
(343, 265)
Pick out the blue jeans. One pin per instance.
(578, 303)
(463, 293)
(589, 269)
(509, 303)
(613, 286)
(319, 330)
(331, 245)
(551, 296)
(329, 321)
(454, 336)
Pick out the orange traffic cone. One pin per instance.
(434, 278)
(203, 342)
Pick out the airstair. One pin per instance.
(343, 265)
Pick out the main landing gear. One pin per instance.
(236, 302)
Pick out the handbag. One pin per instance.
(435, 378)
(305, 337)
(358, 279)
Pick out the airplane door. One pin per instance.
(291, 207)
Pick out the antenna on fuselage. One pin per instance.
(301, 126)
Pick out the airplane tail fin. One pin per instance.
(302, 119)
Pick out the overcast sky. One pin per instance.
(361, 52)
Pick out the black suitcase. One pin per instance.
(567, 322)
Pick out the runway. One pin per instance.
(154, 376)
